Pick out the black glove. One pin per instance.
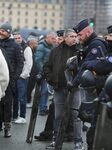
(39, 77)
(70, 86)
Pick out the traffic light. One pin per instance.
(92, 22)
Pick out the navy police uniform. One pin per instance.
(94, 48)
(104, 66)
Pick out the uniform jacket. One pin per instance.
(94, 48)
(4, 75)
(56, 65)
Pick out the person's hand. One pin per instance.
(69, 86)
(39, 77)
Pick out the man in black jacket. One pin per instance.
(15, 58)
(54, 72)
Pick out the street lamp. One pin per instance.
(92, 22)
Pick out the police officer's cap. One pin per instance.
(81, 25)
(60, 32)
(109, 29)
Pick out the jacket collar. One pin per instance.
(92, 36)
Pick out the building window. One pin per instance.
(53, 14)
(3, 4)
(45, 21)
(52, 28)
(19, 5)
(53, 7)
(10, 6)
(26, 20)
(45, 6)
(10, 12)
(26, 5)
(36, 6)
(10, 19)
(36, 14)
(18, 20)
(2, 19)
(18, 12)
(61, 7)
(61, 22)
(3, 12)
(61, 15)
(36, 21)
(45, 14)
(26, 13)
(52, 21)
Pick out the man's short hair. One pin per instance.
(68, 31)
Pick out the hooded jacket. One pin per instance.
(42, 54)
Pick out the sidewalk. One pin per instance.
(19, 133)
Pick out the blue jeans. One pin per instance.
(22, 96)
(43, 96)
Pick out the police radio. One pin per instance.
(80, 55)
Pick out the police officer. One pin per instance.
(94, 48)
(99, 139)
(105, 61)
(60, 37)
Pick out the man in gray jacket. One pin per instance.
(41, 56)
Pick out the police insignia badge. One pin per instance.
(94, 51)
(110, 59)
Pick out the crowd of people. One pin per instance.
(23, 60)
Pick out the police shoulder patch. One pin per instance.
(110, 59)
(94, 51)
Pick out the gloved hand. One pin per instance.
(39, 77)
(69, 86)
